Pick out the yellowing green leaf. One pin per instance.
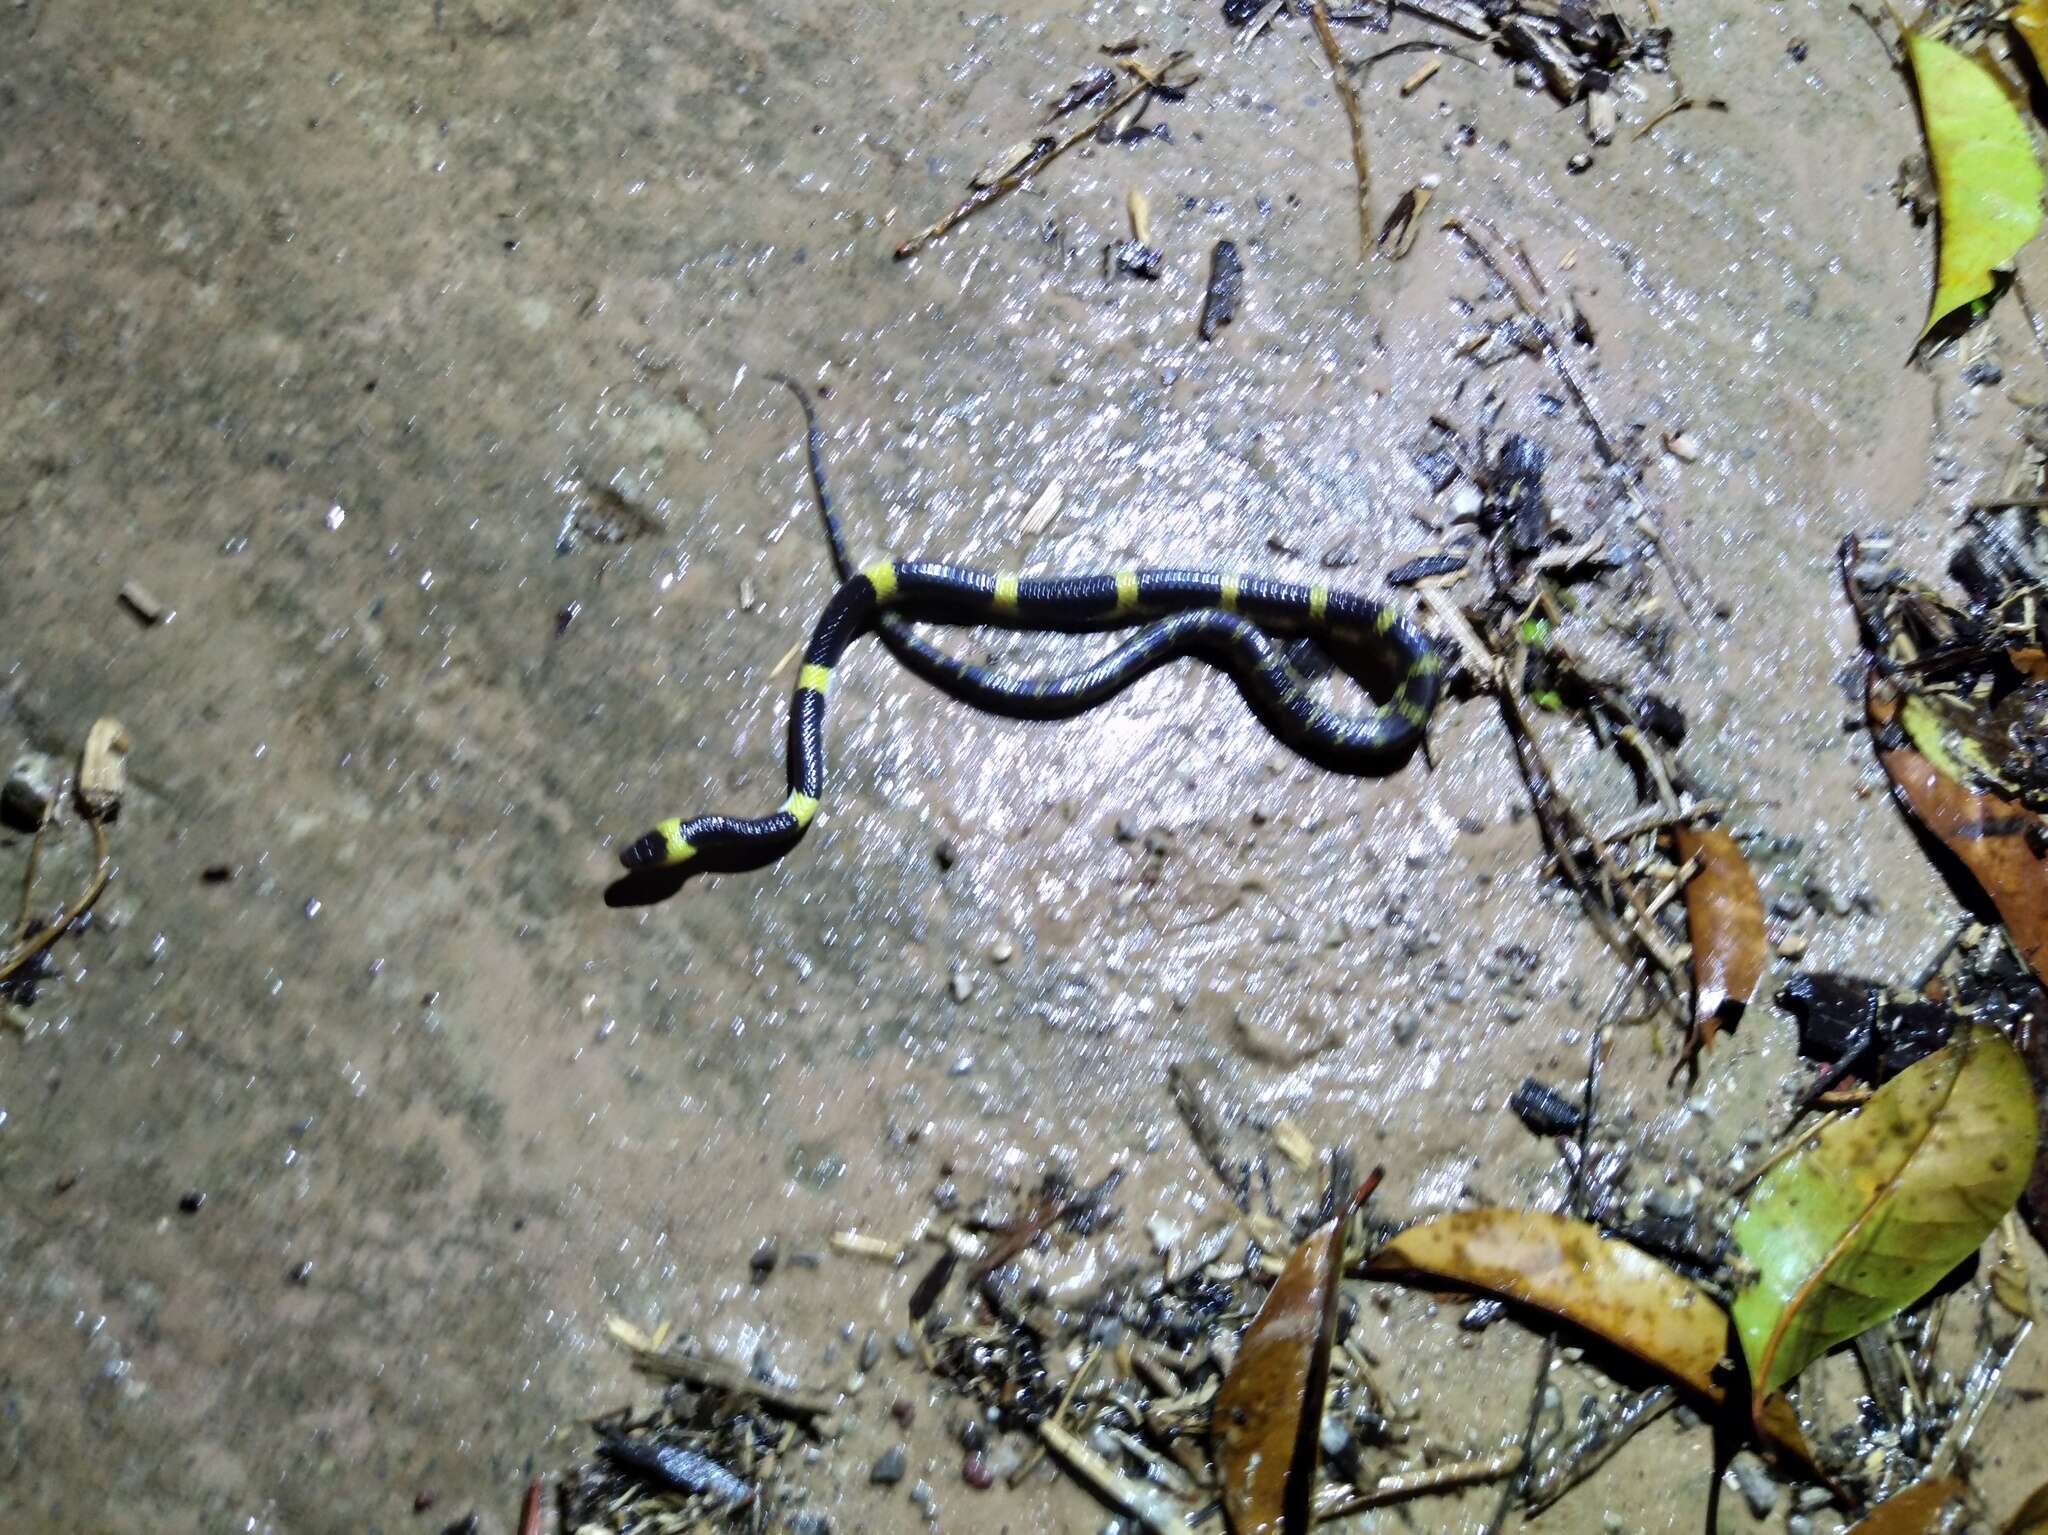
(1880, 1206)
(1984, 165)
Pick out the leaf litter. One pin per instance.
(1876, 1211)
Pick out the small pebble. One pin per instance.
(972, 1436)
(422, 1501)
(1983, 373)
(1001, 951)
(962, 985)
(871, 1350)
(762, 1264)
(1798, 1524)
(1758, 1490)
(190, 1202)
(888, 1469)
(300, 1272)
(905, 1345)
(810, 1521)
(921, 1495)
(974, 1472)
(1814, 1497)
(904, 1411)
(945, 855)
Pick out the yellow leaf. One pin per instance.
(1985, 168)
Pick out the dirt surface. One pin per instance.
(319, 320)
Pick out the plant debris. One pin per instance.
(1219, 298)
(1990, 182)
(1169, 80)
(1871, 1214)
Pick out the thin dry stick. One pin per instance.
(1466, 227)
(1402, 1486)
(77, 909)
(1596, 1446)
(1658, 820)
(28, 883)
(1340, 77)
(981, 197)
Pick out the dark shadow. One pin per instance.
(650, 887)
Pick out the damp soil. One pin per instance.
(321, 320)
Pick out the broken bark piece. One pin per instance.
(103, 769)
(1601, 116)
(1226, 281)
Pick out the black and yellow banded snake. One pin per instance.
(1226, 619)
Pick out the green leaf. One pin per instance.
(1536, 632)
(1984, 166)
(1882, 1205)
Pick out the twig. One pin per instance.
(1466, 227)
(718, 1375)
(1979, 1388)
(1596, 1445)
(1340, 77)
(1147, 80)
(1676, 883)
(1659, 819)
(1415, 1484)
(1157, 1511)
(101, 873)
(1463, 226)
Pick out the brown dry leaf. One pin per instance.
(1916, 1511)
(1616, 1292)
(1724, 916)
(1994, 838)
(1267, 1427)
(2032, 1515)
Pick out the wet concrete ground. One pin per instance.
(317, 319)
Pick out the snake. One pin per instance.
(1228, 619)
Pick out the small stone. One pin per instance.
(1983, 373)
(810, 1521)
(422, 1501)
(888, 1469)
(1579, 164)
(1002, 951)
(1005, 1456)
(904, 1411)
(1407, 1028)
(300, 1272)
(974, 1472)
(1798, 1524)
(961, 984)
(904, 1344)
(945, 855)
(972, 1436)
(190, 1202)
(30, 793)
(762, 1264)
(921, 1495)
(1811, 1498)
(871, 1350)
(1758, 1490)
